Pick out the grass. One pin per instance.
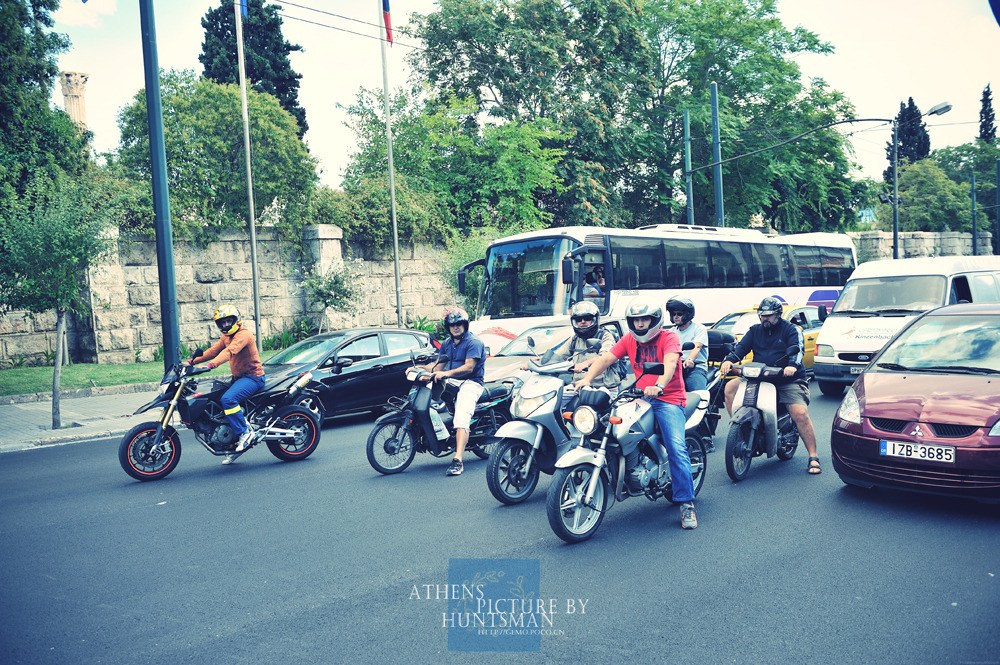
(21, 380)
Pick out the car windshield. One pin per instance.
(947, 342)
(917, 293)
(545, 337)
(306, 351)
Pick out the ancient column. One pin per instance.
(73, 84)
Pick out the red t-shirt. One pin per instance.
(666, 342)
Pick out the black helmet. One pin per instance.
(456, 315)
(682, 305)
(769, 305)
(585, 310)
(641, 308)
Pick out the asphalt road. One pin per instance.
(326, 561)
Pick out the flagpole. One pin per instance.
(383, 6)
(237, 5)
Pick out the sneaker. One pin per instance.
(456, 468)
(229, 459)
(709, 447)
(688, 519)
(244, 441)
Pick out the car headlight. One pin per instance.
(585, 420)
(849, 409)
(824, 350)
(522, 407)
(995, 430)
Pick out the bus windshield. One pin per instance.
(522, 278)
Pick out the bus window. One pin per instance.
(808, 265)
(638, 263)
(728, 259)
(767, 264)
(838, 264)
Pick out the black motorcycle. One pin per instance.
(422, 423)
(151, 450)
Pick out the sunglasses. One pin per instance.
(584, 319)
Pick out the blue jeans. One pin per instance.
(670, 421)
(242, 388)
(697, 378)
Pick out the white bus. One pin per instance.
(534, 278)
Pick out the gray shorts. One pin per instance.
(796, 392)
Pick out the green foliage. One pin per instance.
(266, 52)
(929, 200)
(204, 148)
(913, 140)
(338, 288)
(302, 328)
(980, 158)
(424, 324)
(987, 126)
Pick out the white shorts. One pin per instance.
(469, 393)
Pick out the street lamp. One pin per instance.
(937, 109)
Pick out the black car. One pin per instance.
(353, 370)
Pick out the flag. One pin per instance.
(243, 7)
(385, 19)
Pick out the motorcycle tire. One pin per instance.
(313, 405)
(390, 448)
(739, 451)
(503, 472)
(136, 459)
(303, 443)
(569, 518)
(484, 449)
(786, 451)
(699, 464)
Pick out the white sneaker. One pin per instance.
(244, 441)
(229, 459)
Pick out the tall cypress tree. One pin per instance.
(268, 67)
(914, 142)
(987, 126)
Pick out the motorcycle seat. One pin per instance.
(494, 391)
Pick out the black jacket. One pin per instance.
(769, 345)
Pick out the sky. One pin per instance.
(885, 52)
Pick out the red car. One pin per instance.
(924, 415)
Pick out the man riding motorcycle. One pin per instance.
(586, 321)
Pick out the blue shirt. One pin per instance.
(454, 355)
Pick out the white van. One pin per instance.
(882, 296)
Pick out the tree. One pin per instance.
(34, 138)
(987, 126)
(929, 200)
(912, 138)
(49, 237)
(268, 67)
(207, 174)
(980, 158)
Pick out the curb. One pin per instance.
(96, 391)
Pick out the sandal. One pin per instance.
(813, 469)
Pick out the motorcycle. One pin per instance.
(760, 425)
(620, 455)
(535, 438)
(422, 423)
(151, 450)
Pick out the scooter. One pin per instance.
(422, 423)
(760, 425)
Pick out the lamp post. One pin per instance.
(937, 109)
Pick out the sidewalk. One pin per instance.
(26, 420)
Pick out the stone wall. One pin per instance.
(124, 323)
(873, 245)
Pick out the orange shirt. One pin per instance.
(240, 349)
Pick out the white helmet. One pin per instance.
(643, 308)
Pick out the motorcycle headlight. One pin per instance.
(585, 420)
(163, 387)
(849, 409)
(522, 407)
(752, 372)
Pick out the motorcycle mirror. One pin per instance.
(593, 343)
(652, 368)
(531, 342)
(198, 352)
(687, 346)
(567, 271)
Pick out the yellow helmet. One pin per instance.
(228, 319)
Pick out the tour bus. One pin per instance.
(882, 296)
(534, 278)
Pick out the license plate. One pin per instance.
(919, 451)
(858, 369)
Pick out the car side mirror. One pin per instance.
(823, 313)
(340, 364)
(567, 271)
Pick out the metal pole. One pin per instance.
(161, 196)
(895, 189)
(996, 210)
(392, 174)
(687, 167)
(975, 231)
(720, 215)
(246, 149)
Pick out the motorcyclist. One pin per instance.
(238, 347)
(586, 321)
(649, 342)
(461, 361)
(695, 361)
(769, 340)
